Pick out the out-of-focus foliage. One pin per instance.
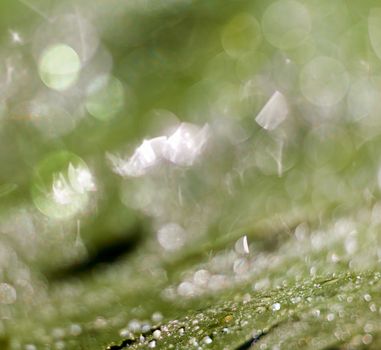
(163, 157)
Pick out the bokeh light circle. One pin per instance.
(55, 191)
(47, 114)
(241, 35)
(105, 97)
(374, 29)
(362, 98)
(324, 81)
(59, 67)
(286, 24)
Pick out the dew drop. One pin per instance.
(157, 334)
(275, 307)
(157, 317)
(171, 236)
(207, 340)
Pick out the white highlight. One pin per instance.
(185, 144)
(15, 36)
(242, 246)
(181, 148)
(274, 112)
(171, 236)
(62, 191)
(145, 156)
(80, 181)
(245, 245)
(379, 177)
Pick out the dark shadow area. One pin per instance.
(106, 254)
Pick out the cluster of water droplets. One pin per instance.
(274, 102)
(309, 251)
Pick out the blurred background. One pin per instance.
(140, 139)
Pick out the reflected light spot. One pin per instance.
(324, 81)
(61, 184)
(241, 35)
(171, 236)
(105, 97)
(286, 24)
(273, 113)
(59, 67)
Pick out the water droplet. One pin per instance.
(60, 185)
(367, 339)
(125, 333)
(157, 334)
(240, 266)
(296, 300)
(59, 345)
(275, 307)
(58, 333)
(367, 297)
(316, 312)
(30, 347)
(207, 340)
(201, 277)
(146, 327)
(75, 330)
(100, 322)
(134, 326)
(157, 317)
(186, 289)
(242, 246)
(171, 236)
